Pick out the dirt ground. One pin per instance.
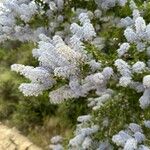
(11, 139)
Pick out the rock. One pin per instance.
(11, 139)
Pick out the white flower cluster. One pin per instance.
(107, 4)
(145, 98)
(123, 67)
(62, 61)
(56, 140)
(96, 103)
(14, 21)
(56, 59)
(138, 33)
(123, 49)
(24, 11)
(81, 33)
(127, 72)
(55, 16)
(16, 16)
(147, 123)
(75, 89)
(41, 79)
(131, 139)
(82, 139)
(55, 5)
(139, 67)
(128, 21)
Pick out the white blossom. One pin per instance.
(138, 86)
(138, 67)
(125, 22)
(61, 94)
(99, 101)
(118, 140)
(86, 31)
(123, 49)
(131, 144)
(124, 81)
(143, 147)
(139, 137)
(131, 138)
(145, 99)
(140, 26)
(77, 140)
(94, 65)
(148, 31)
(135, 14)
(146, 81)
(147, 123)
(140, 46)
(105, 145)
(130, 35)
(135, 127)
(107, 72)
(84, 118)
(56, 139)
(133, 5)
(122, 2)
(87, 143)
(31, 89)
(123, 67)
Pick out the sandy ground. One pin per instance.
(11, 139)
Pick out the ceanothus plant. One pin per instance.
(131, 138)
(91, 62)
(17, 19)
(14, 19)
